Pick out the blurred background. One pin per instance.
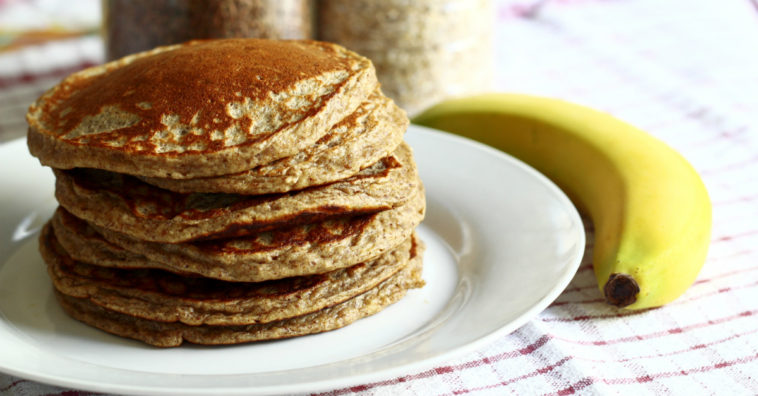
(423, 50)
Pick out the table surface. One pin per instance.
(685, 71)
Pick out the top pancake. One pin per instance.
(199, 109)
(373, 131)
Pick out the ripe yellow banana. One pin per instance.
(650, 209)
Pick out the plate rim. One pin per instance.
(351, 379)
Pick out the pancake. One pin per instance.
(166, 297)
(373, 131)
(83, 243)
(291, 251)
(228, 191)
(163, 334)
(199, 109)
(130, 206)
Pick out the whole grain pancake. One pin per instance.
(163, 334)
(167, 297)
(84, 244)
(199, 109)
(284, 252)
(373, 131)
(130, 206)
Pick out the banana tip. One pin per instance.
(621, 290)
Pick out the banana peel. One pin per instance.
(650, 208)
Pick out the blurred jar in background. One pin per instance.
(423, 50)
(136, 25)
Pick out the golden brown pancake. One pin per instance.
(169, 334)
(167, 297)
(83, 243)
(130, 206)
(372, 132)
(280, 253)
(199, 109)
(228, 191)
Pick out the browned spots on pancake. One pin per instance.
(150, 202)
(380, 169)
(73, 223)
(193, 83)
(315, 233)
(320, 213)
(165, 282)
(146, 201)
(187, 287)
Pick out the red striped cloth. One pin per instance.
(684, 70)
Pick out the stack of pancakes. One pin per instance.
(228, 191)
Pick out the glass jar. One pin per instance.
(136, 25)
(423, 50)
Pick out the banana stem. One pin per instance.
(621, 290)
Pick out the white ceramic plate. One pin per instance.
(502, 240)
